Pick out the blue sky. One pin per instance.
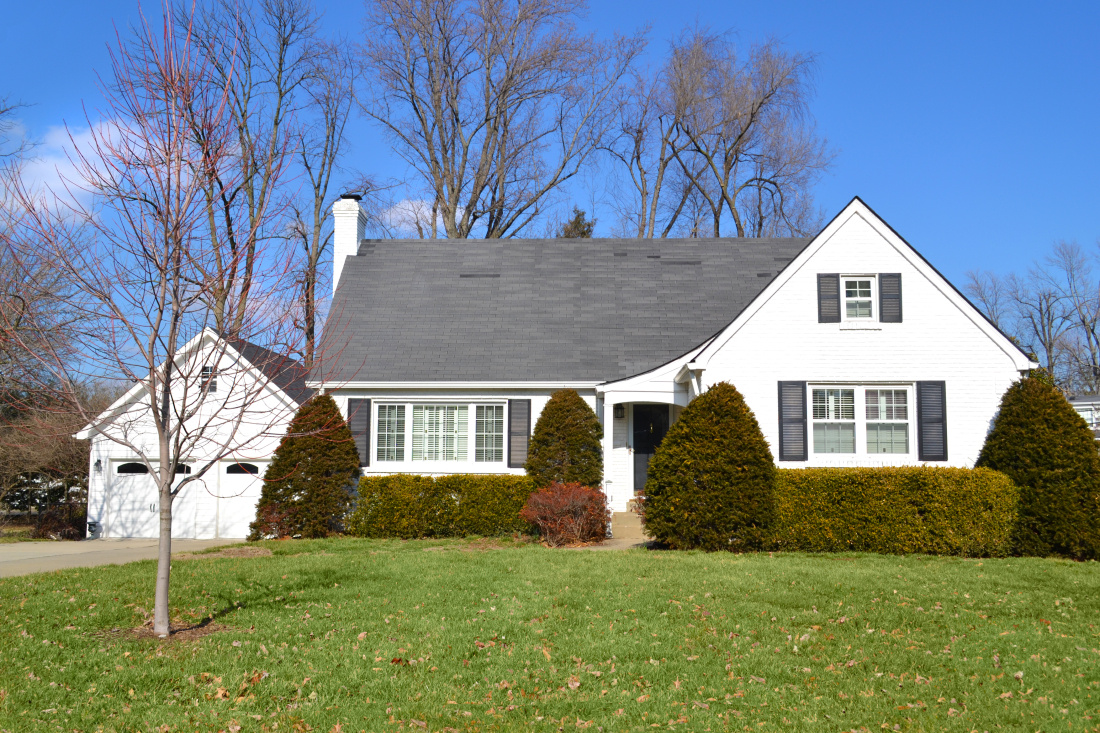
(971, 128)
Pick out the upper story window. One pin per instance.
(209, 379)
(858, 297)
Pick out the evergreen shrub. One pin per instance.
(918, 509)
(407, 506)
(712, 480)
(1048, 450)
(566, 514)
(308, 484)
(565, 445)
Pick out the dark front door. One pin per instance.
(650, 426)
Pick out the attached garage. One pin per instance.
(219, 506)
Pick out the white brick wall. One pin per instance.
(937, 340)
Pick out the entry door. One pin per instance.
(650, 426)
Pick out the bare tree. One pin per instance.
(11, 147)
(263, 53)
(138, 262)
(648, 135)
(1042, 312)
(990, 292)
(1071, 273)
(746, 121)
(329, 88)
(493, 104)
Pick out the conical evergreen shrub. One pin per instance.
(712, 481)
(1048, 450)
(308, 484)
(565, 446)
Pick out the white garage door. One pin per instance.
(132, 509)
(237, 497)
(133, 506)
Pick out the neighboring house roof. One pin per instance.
(542, 310)
(286, 373)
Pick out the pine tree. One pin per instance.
(579, 227)
(565, 446)
(711, 482)
(1048, 450)
(308, 484)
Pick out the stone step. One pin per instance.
(627, 526)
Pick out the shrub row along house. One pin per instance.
(850, 349)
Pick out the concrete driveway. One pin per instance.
(22, 558)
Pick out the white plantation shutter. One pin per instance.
(440, 432)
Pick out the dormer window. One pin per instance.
(858, 297)
(209, 379)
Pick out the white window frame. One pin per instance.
(872, 299)
(834, 420)
(861, 421)
(888, 415)
(461, 463)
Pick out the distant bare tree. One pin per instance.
(1042, 312)
(748, 132)
(329, 89)
(493, 104)
(990, 293)
(1072, 274)
(264, 53)
(647, 137)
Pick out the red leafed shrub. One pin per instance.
(568, 513)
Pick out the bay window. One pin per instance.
(440, 433)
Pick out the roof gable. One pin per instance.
(283, 375)
(858, 212)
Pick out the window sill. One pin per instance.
(859, 327)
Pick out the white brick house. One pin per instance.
(850, 348)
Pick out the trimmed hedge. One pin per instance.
(711, 482)
(408, 506)
(1048, 450)
(920, 509)
(565, 446)
(308, 485)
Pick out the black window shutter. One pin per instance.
(359, 423)
(828, 298)
(932, 421)
(792, 422)
(889, 297)
(519, 432)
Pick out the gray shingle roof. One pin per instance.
(536, 310)
(289, 375)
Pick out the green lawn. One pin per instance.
(383, 636)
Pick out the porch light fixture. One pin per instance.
(98, 466)
(620, 410)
